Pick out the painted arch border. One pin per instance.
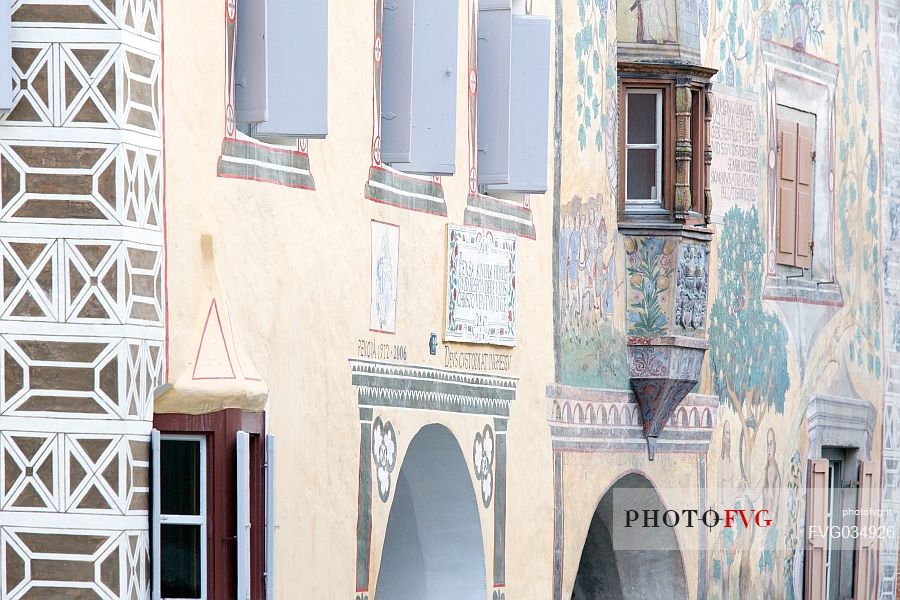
(467, 404)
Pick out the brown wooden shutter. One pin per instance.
(866, 578)
(816, 522)
(786, 193)
(805, 170)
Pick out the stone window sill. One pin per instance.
(802, 290)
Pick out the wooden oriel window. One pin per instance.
(663, 146)
(794, 194)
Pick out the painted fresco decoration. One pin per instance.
(857, 187)
(385, 263)
(595, 50)
(483, 462)
(481, 286)
(592, 348)
(796, 23)
(649, 265)
(384, 453)
(748, 362)
(647, 21)
(748, 359)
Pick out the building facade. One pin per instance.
(409, 299)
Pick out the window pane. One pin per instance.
(180, 566)
(641, 175)
(642, 119)
(179, 472)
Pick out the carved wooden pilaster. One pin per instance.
(683, 148)
(707, 155)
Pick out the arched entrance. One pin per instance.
(433, 547)
(605, 573)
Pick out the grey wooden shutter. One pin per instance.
(513, 98)
(6, 90)
(494, 64)
(297, 42)
(270, 517)
(418, 85)
(816, 522)
(529, 104)
(251, 63)
(155, 510)
(243, 516)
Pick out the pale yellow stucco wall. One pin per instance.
(295, 267)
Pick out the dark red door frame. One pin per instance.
(220, 429)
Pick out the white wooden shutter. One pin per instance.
(251, 63)
(155, 509)
(816, 522)
(6, 72)
(270, 516)
(866, 578)
(297, 63)
(243, 516)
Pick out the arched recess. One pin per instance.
(605, 573)
(433, 548)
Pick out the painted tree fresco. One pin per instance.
(748, 361)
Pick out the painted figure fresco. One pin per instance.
(652, 21)
(385, 256)
(587, 287)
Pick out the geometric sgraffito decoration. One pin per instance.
(75, 473)
(98, 564)
(141, 17)
(143, 187)
(142, 94)
(143, 284)
(30, 284)
(33, 103)
(92, 275)
(30, 471)
(99, 379)
(61, 377)
(51, 182)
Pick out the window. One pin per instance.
(664, 146)
(513, 99)
(644, 148)
(841, 498)
(795, 157)
(281, 69)
(212, 515)
(418, 86)
(839, 560)
(182, 467)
